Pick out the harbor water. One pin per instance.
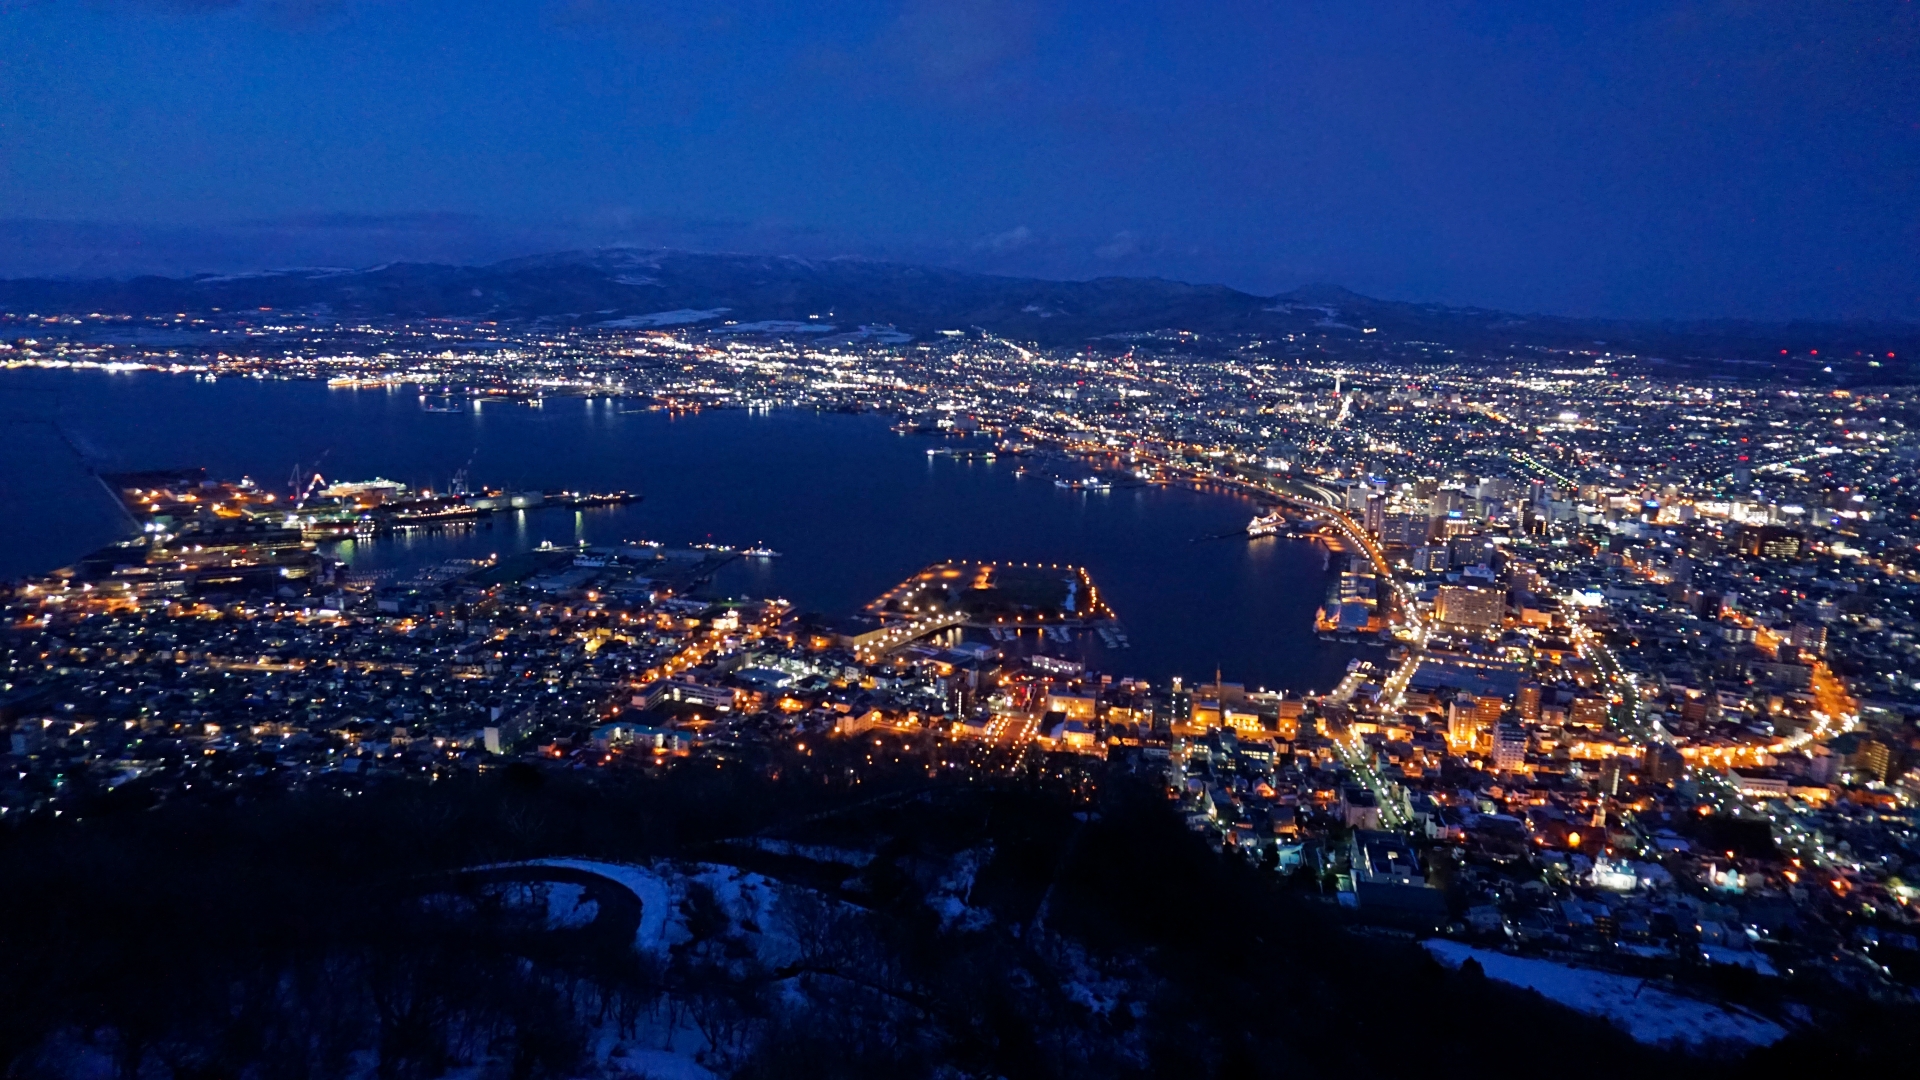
(851, 506)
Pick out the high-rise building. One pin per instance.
(1527, 701)
(1465, 730)
(1473, 608)
(1509, 747)
(1488, 709)
(1810, 638)
(1771, 542)
(1588, 711)
(1876, 759)
(1405, 530)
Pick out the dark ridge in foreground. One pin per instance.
(639, 288)
(320, 936)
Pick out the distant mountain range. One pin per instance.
(626, 287)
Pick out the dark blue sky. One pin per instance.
(1756, 159)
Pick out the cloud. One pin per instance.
(1002, 243)
(1123, 244)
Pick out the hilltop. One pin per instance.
(644, 288)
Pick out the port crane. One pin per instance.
(301, 495)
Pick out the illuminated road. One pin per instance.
(1389, 796)
(896, 636)
(1010, 740)
(1625, 713)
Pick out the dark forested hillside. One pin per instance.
(312, 937)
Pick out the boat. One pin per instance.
(441, 404)
(1089, 483)
(432, 515)
(594, 498)
(760, 553)
(338, 529)
(1266, 524)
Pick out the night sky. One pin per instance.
(1756, 159)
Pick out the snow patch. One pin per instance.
(676, 317)
(657, 1065)
(814, 852)
(779, 326)
(1648, 1013)
(949, 899)
(655, 894)
(884, 335)
(1720, 954)
(880, 334)
(568, 906)
(751, 901)
(309, 272)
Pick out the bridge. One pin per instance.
(874, 644)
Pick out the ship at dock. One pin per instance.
(363, 509)
(1084, 483)
(1266, 524)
